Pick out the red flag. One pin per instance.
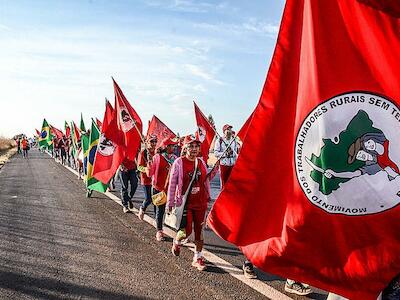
(205, 131)
(37, 132)
(98, 123)
(56, 132)
(158, 128)
(243, 131)
(67, 129)
(76, 132)
(127, 128)
(109, 155)
(308, 198)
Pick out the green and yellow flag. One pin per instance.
(85, 139)
(92, 183)
(45, 138)
(82, 125)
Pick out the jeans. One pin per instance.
(147, 198)
(125, 178)
(160, 211)
(25, 153)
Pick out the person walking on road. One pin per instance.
(158, 170)
(25, 147)
(62, 146)
(226, 149)
(189, 177)
(128, 176)
(144, 157)
(18, 142)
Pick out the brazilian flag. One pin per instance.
(45, 138)
(85, 139)
(92, 184)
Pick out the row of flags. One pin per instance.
(312, 196)
(117, 138)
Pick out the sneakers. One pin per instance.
(125, 210)
(200, 264)
(160, 236)
(297, 288)
(248, 271)
(130, 204)
(176, 249)
(141, 214)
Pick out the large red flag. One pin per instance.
(243, 131)
(56, 132)
(109, 155)
(127, 128)
(310, 197)
(205, 132)
(158, 128)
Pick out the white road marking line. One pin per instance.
(217, 261)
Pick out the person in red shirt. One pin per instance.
(127, 175)
(158, 170)
(25, 147)
(144, 157)
(183, 170)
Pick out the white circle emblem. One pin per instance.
(347, 154)
(105, 147)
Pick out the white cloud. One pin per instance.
(58, 74)
(4, 27)
(261, 27)
(191, 6)
(252, 26)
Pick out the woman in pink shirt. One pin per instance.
(193, 219)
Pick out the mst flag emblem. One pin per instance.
(202, 133)
(106, 146)
(126, 120)
(353, 170)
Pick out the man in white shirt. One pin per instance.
(227, 149)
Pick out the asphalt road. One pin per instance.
(57, 244)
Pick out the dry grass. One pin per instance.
(6, 144)
(7, 149)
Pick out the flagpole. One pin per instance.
(234, 138)
(215, 130)
(219, 159)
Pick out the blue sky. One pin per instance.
(57, 59)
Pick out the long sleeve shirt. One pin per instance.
(229, 156)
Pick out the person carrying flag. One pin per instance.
(127, 176)
(189, 177)
(145, 156)
(62, 147)
(158, 170)
(226, 149)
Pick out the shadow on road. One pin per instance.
(53, 289)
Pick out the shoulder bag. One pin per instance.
(174, 217)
